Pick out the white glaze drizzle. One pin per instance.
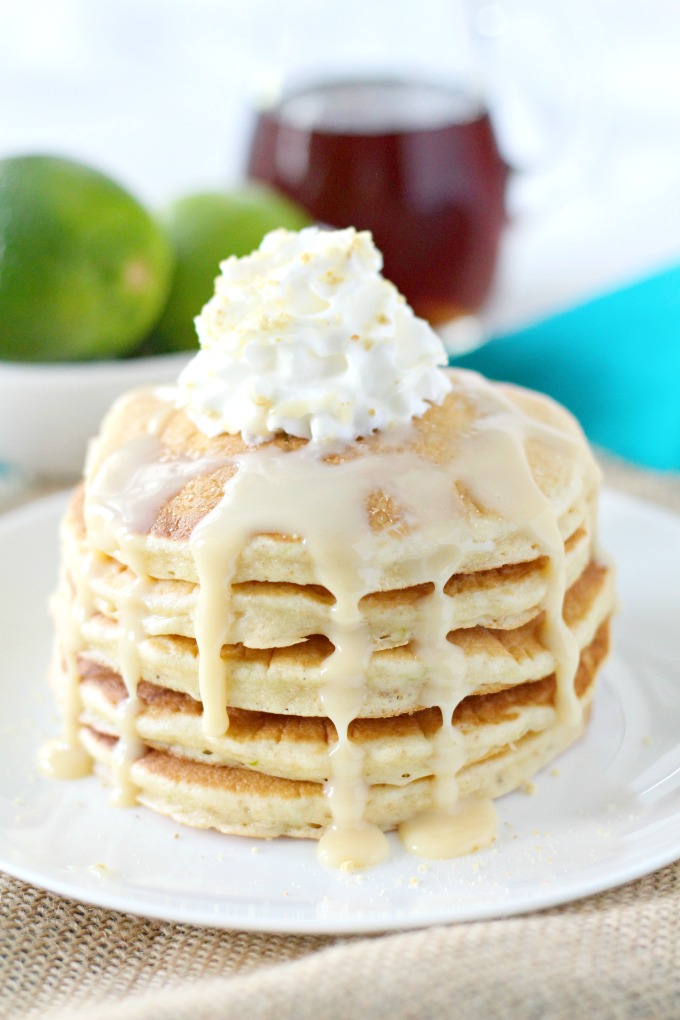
(297, 493)
(65, 757)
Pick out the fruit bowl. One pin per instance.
(49, 411)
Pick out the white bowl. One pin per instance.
(48, 412)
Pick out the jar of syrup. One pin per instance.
(414, 162)
(372, 117)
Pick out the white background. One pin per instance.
(157, 93)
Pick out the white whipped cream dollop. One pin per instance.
(305, 336)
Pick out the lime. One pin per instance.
(84, 268)
(206, 228)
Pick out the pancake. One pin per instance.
(267, 641)
(193, 472)
(396, 750)
(247, 802)
(291, 680)
(274, 615)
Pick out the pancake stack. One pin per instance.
(249, 637)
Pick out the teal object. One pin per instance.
(614, 362)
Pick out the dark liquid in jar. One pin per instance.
(415, 164)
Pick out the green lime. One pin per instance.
(84, 268)
(206, 228)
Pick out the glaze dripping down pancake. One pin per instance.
(270, 642)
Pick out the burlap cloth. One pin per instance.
(613, 955)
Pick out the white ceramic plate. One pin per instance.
(608, 811)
